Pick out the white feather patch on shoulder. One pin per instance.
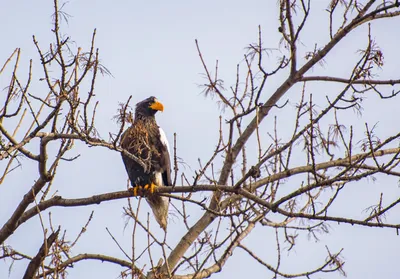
(158, 179)
(164, 139)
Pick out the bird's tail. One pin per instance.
(159, 205)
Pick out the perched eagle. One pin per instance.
(147, 141)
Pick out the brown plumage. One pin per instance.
(147, 141)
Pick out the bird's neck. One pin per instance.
(144, 118)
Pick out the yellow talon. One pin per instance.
(152, 188)
(134, 190)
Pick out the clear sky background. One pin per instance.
(149, 47)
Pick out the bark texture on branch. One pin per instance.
(40, 256)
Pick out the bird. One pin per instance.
(148, 142)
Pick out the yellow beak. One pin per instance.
(157, 106)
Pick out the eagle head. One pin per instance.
(149, 107)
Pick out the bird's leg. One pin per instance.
(135, 189)
(150, 187)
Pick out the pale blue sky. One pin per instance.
(149, 48)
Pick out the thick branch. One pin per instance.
(102, 258)
(337, 219)
(240, 192)
(40, 256)
(347, 81)
(207, 272)
(10, 226)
